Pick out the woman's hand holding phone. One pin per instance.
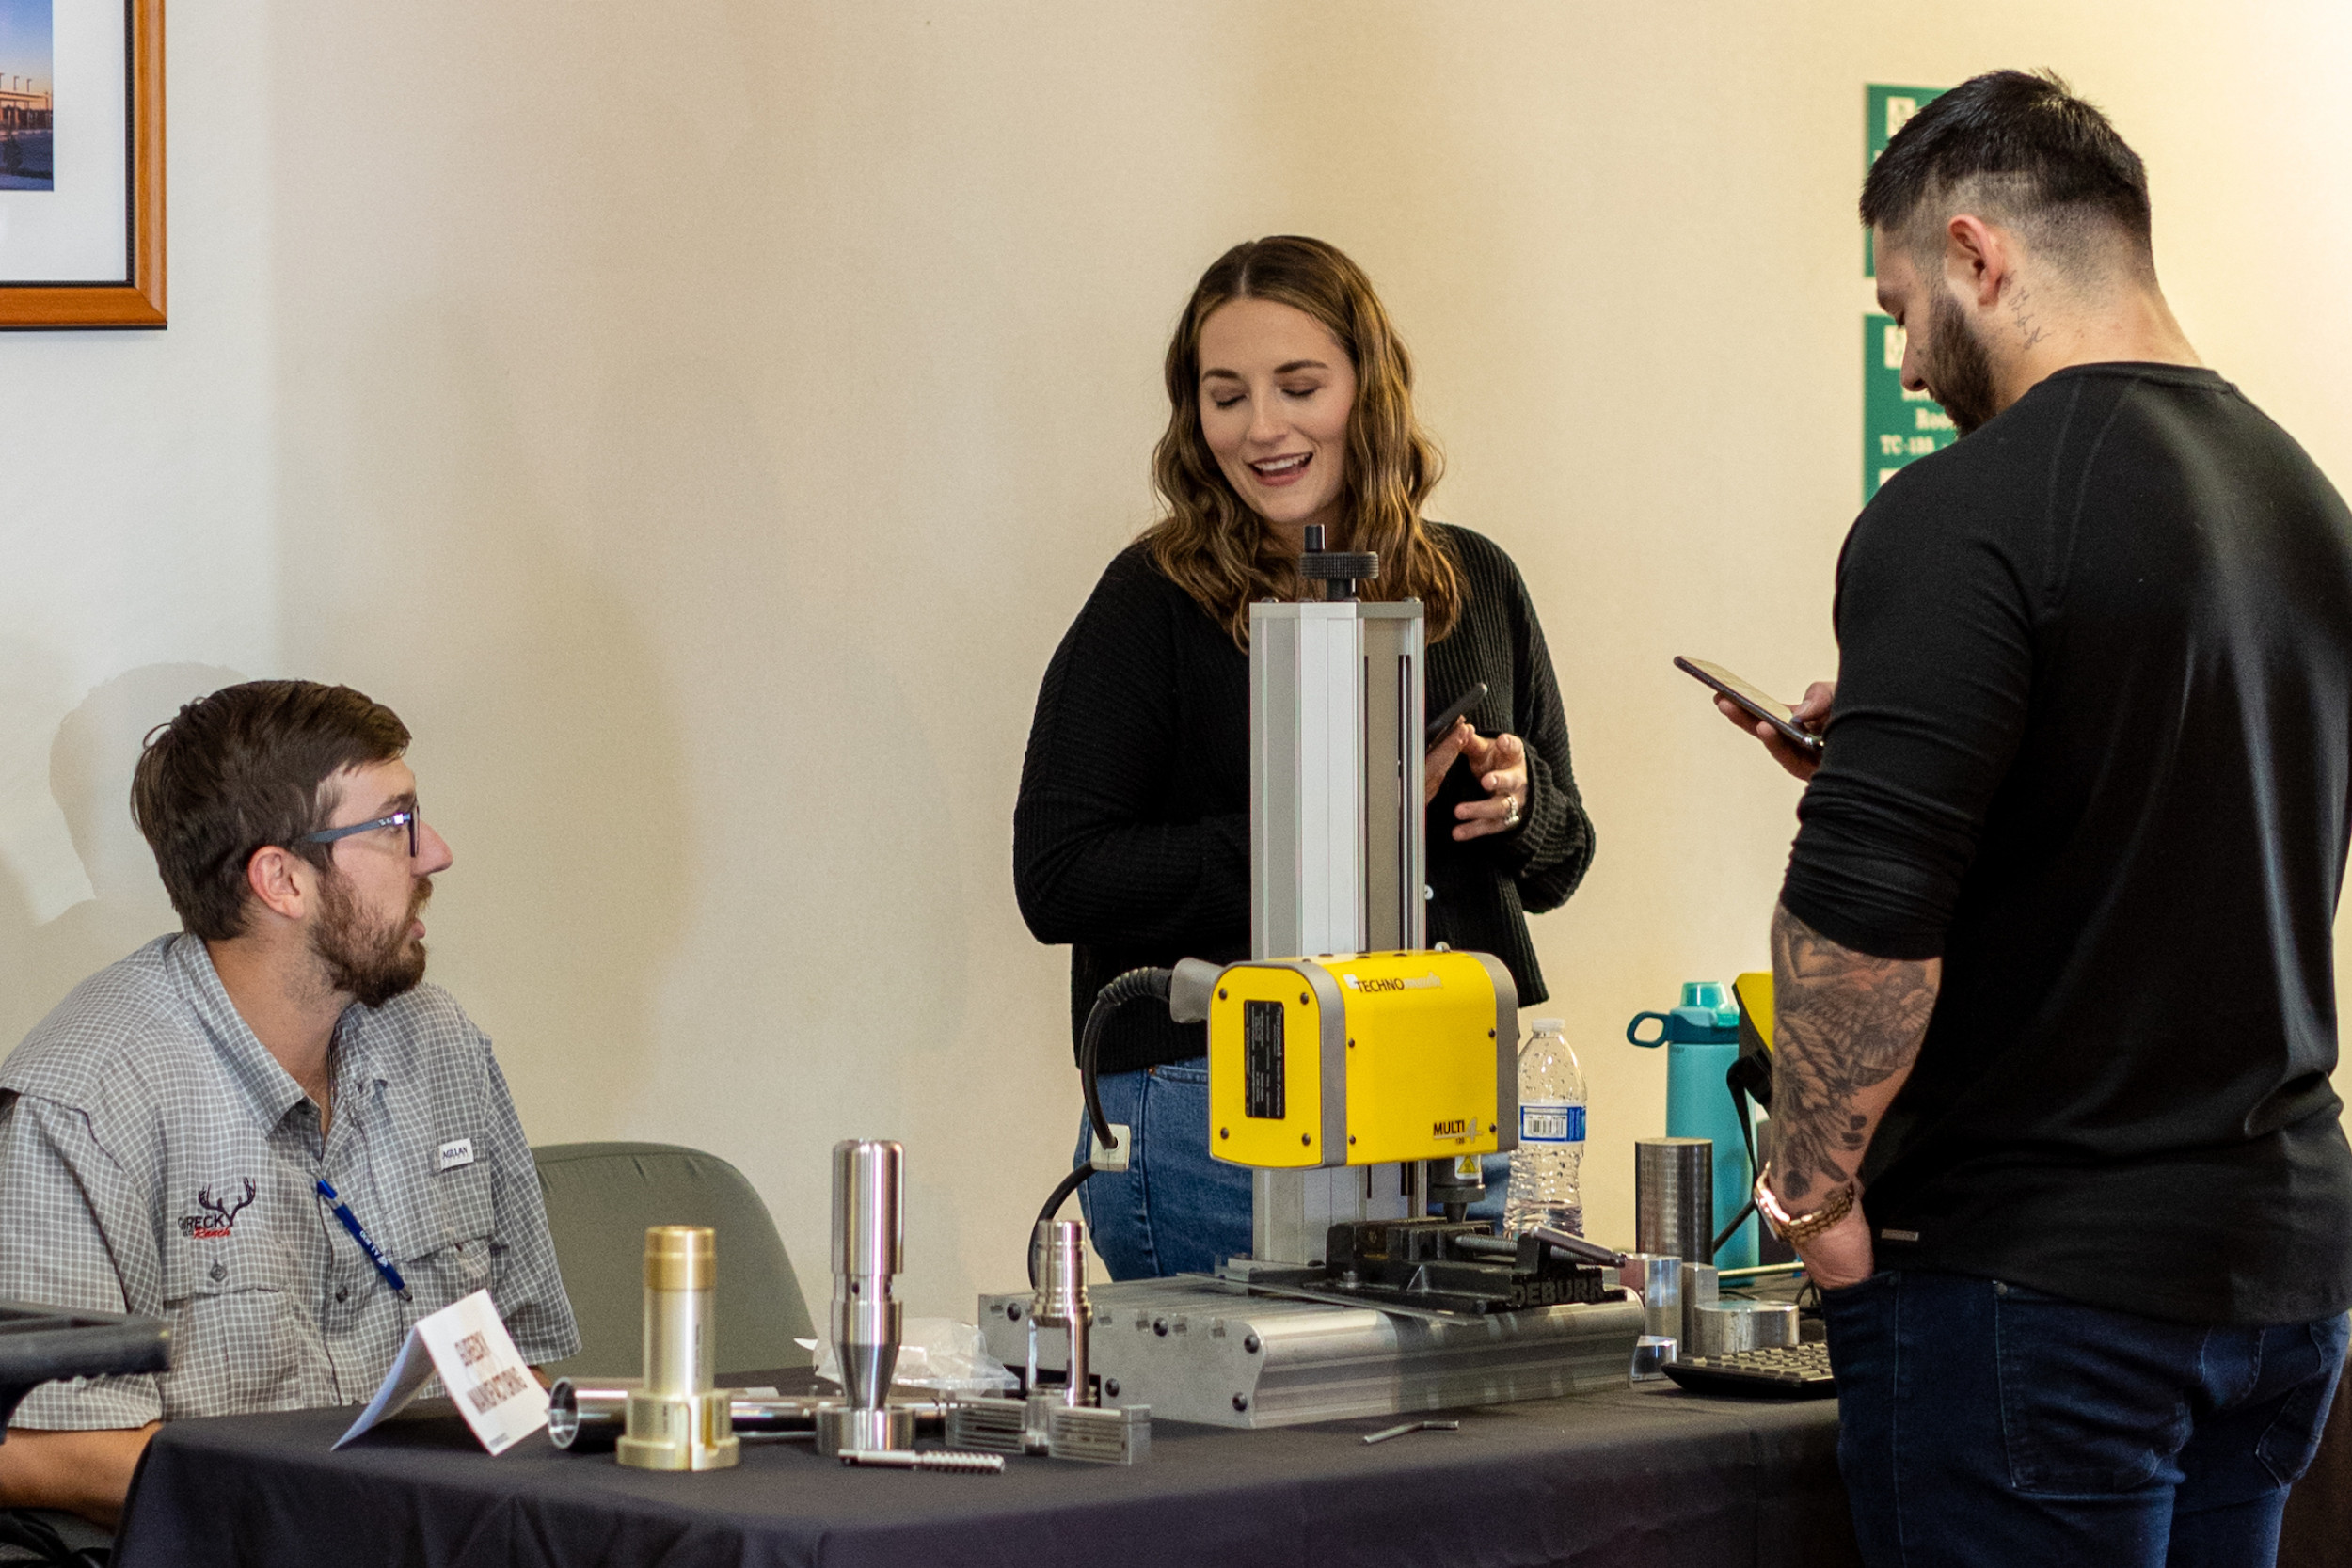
(1501, 765)
(1439, 761)
(1810, 713)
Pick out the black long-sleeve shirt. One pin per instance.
(1130, 838)
(2093, 743)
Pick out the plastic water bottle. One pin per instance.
(1544, 1167)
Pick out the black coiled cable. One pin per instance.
(1135, 986)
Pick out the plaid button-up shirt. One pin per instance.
(155, 1158)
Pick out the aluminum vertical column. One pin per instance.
(1335, 848)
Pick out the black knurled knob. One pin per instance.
(1340, 565)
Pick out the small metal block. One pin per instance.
(1092, 1436)
(987, 1425)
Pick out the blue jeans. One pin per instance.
(1173, 1209)
(1986, 1423)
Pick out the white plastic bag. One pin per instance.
(936, 1354)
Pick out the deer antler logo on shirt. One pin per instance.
(218, 1218)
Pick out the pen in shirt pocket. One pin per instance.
(367, 1243)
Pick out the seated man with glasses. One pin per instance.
(264, 1130)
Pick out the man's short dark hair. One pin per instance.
(2022, 147)
(241, 770)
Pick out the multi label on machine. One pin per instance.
(1550, 1122)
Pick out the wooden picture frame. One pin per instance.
(136, 300)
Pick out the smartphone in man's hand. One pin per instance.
(1754, 701)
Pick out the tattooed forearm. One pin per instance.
(1846, 1027)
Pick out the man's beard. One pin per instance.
(371, 966)
(1958, 372)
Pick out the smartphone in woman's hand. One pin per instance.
(1452, 715)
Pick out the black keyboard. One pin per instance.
(1785, 1372)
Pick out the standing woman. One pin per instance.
(1290, 404)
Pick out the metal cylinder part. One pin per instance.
(589, 1416)
(868, 1242)
(1700, 1286)
(675, 1419)
(855, 1428)
(1674, 1198)
(681, 1280)
(1058, 1261)
(1727, 1327)
(1658, 1281)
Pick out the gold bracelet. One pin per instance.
(1796, 1228)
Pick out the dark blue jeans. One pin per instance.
(1985, 1423)
(1173, 1209)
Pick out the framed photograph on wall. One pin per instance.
(81, 163)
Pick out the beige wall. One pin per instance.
(701, 422)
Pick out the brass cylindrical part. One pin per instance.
(681, 1281)
(681, 1257)
(676, 1420)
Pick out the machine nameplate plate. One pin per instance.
(1262, 1055)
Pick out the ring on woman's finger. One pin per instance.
(1511, 817)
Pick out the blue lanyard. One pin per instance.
(367, 1245)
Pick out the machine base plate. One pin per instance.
(1204, 1350)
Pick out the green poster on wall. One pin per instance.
(1897, 425)
(1884, 109)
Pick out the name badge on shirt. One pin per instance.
(458, 1152)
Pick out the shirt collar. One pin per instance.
(267, 1085)
(354, 1054)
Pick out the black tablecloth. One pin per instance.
(1653, 1475)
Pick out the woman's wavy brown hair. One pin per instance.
(1222, 553)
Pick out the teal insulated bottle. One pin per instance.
(1702, 1040)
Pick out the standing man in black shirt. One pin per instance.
(2055, 1005)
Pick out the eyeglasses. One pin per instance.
(407, 819)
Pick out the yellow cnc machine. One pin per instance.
(1362, 1060)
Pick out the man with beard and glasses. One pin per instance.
(168, 1134)
(2053, 958)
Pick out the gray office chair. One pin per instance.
(602, 1197)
